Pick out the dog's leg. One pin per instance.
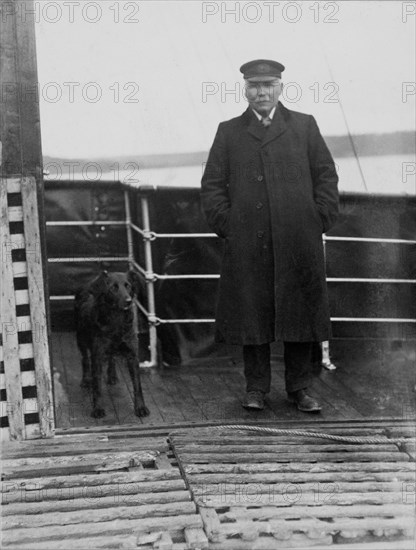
(97, 359)
(112, 377)
(140, 408)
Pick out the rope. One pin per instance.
(303, 433)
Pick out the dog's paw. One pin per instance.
(86, 383)
(98, 412)
(141, 410)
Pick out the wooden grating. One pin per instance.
(261, 491)
(116, 490)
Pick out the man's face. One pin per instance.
(263, 95)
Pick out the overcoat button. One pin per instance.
(260, 178)
(260, 234)
(259, 205)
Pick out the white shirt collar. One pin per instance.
(271, 114)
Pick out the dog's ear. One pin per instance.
(100, 284)
(137, 282)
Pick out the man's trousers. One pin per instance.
(302, 362)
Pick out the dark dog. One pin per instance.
(104, 326)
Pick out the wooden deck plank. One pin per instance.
(341, 389)
(98, 515)
(82, 446)
(193, 458)
(197, 447)
(328, 490)
(110, 541)
(166, 403)
(250, 497)
(241, 438)
(198, 391)
(339, 401)
(301, 541)
(196, 538)
(336, 478)
(322, 467)
(140, 477)
(68, 459)
(276, 526)
(110, 528)
(94, 498)
(325, 511)
(78, 464)
(151, 398)
(187, 404)
(125, 492)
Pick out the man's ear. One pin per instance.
(100, 284)
(137, 281)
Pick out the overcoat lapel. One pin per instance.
(277, 127)
(254, 127)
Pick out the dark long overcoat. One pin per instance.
(271, 193)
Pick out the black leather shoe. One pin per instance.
(254, 400)
(304, 402)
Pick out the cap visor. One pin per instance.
(265, 78)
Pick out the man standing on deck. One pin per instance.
(270, 190)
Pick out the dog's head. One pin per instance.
(117, 289)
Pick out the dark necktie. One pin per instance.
(266, 121)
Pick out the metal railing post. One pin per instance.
(130, 252)
(326, 360)
(130, 249)
(150, 279)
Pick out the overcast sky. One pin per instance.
(152, 77)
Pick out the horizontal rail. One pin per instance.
(184, 235)
(86, 223)
(371, 320)
(167, 277)
(154, 235)
(369, 240)
(336, 319)
(364, 280)
(329, 279)
(172, 321)
(156, 276)
(89, 259)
